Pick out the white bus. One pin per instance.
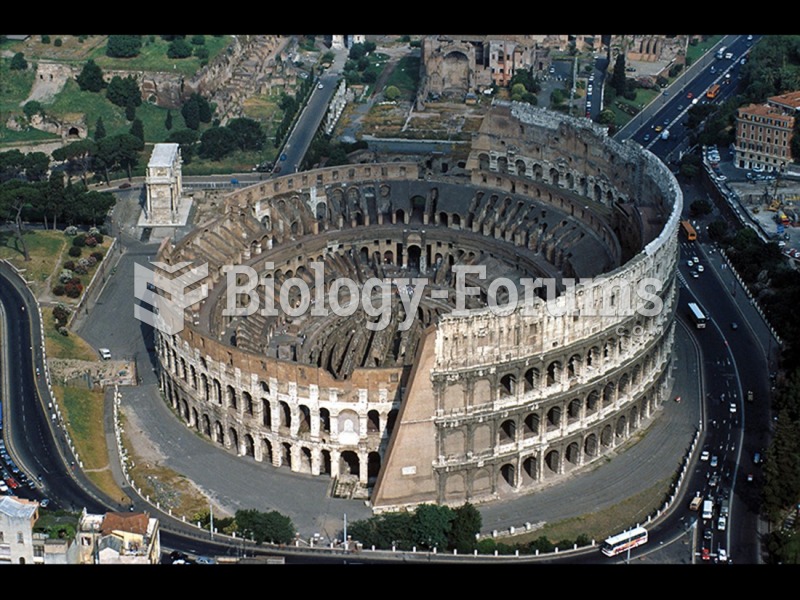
(697, 315)
(624, 541)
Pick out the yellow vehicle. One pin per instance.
(696, 502)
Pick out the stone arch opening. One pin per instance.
(622, 427)
(592, 401)
(247, 400)
(508, 474)
(531, 425)
(414, 254)
(249, 446)
(554, 418)
(552, 461)
(266, 413)
(219, 434)
(608, 394)
(572, 455)
(606, 437)
(305, 460)
(373, 465)
(266, 450)
(508, 385)
(303, 419)
(623, 384)
(373, 422)
(195, 419)
(634, 417)
(574, 366)
(529, 468)
(286, 454)
(286, 415)
(574, 411)
(206, 425)
(233, 439)
(349, 463)
(324, 420)
(391, 419)
(507, 432)
(590, 445)
(553, 373)
(532, 377)
(325, 462)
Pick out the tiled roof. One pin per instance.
(789, 100)
(17, 508)
(121, 521)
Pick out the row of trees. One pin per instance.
(121, 151)
(128, 46)
(263, 527)
(429, 526)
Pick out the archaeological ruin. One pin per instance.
(443, 403)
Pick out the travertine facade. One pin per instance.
(459, 406)
(164, 183)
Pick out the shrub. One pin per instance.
(74, 251)
(98, 256)
(91, 260)
(45, 39)
(59, 290)
(61, 314)
(93, 231)
(79, 240)
(65, 276)
(73, 290)
(63, 331)
(81, 270)
(70, 265)
(57, 43)
(98, 237)
(71, 230)
(90, 241)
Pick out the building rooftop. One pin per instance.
(789, 100)
(764, 110)
(130, 522)
(17, 508)
(163, 155)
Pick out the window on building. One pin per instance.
(20, 538)
(38, 551)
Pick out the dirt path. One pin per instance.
(49, 81)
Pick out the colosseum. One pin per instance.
(446, 402)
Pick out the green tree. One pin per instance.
(99, 129)
(179, 48)
(130, 110)
(15, 196)
(700, 207)
(123, 46)
(118, 151)
(249, 133)
(58, 42)
(78, 156)
(137, 129)
(198, 40)
(356, 52)
(202, 53)
(606, 117)
(618, 75)
(465, 526)
(36, 165)
(168, 121)
(90, 78)
(45, 39)
(431, 525)
(391, 93)
(718, 231)
(216, 143)
(121, 91)
(262, 527)
(31, 108)
(18, 62)
(191, 113)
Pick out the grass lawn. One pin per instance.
(14, 87)
(693, 53)
(601, 524)
(43, 248)
(405, 76)
(153, 56)
(61, 346)
(83, 411)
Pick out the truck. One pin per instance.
(708, 509)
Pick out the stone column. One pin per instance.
(257, 450)
(315, 461)
(335, 458)
(363, 467)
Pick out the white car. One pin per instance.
(714, 461)
(689, 263)
(733, 407)
(700, 268)
(722, 555)
(722, 523)
(704, 455)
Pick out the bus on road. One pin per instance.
(698, 318)
(713, 91)
(624, 541)
(691, 234)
